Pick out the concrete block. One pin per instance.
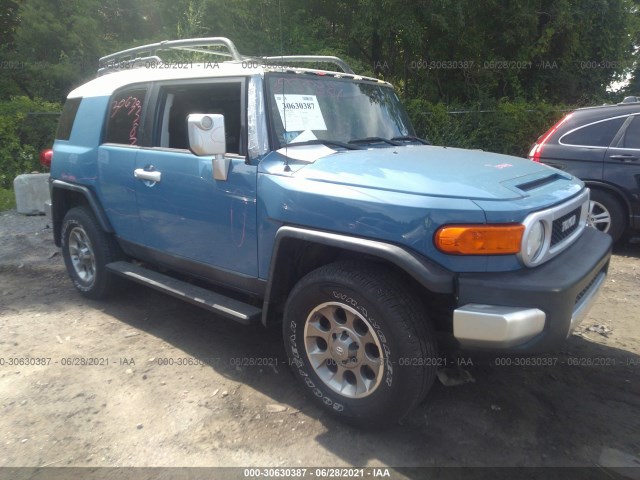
(32, 191)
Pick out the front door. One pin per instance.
(184, 212)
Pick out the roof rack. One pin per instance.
(138, 56)
(310, 59)
(130, 57)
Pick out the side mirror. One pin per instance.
(207, 137)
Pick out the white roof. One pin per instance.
(105, 85)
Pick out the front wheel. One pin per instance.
(360, 343)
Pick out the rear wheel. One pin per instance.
(359, 343)
(86, 250)
(607, 214)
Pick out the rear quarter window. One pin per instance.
(67, 118)
(599, 134)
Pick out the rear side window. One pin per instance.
(67, 118)
(598, 134)
(125, 115)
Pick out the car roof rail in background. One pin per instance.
(630, 99)
(218, 46)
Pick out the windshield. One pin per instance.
(304, 108)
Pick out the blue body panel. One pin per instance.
(404, 197)
(188, 214)
(75, 158)
(426, 170)
(116, 190)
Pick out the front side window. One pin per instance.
(124, 117)
(304, 108)
(179, 101)
(598, 134)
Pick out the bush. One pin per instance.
(502, 127)
(7, 200)
(26, 127)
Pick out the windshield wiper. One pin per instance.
(410, 138)
(369, 140)
(319, 141)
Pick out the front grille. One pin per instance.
(569, 216)
(561, 230)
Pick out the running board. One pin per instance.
(227, 307)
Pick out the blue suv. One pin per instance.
(267, 192)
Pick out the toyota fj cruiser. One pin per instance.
(274, 193)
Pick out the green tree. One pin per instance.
(25, 130)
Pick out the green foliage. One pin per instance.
(55, 46)
(504, 127)
(7, 199)
(462, 52)
(23, 134)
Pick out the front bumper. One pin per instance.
(532, 310)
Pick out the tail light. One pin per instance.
(45, 157)
(536, 151)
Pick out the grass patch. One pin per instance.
(7, 199)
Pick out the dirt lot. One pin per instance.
(137, 410)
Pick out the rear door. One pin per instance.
(187, 215)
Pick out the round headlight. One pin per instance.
(535, 241)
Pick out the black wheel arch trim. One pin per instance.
(429, 274)
(599, 185)
(58, 211)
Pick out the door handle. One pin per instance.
(142, 174)
(624, 158)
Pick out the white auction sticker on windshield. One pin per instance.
(300, 112)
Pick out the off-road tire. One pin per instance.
(86, 250)
(347, 303)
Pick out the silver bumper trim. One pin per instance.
(586, 302)
(477, 325)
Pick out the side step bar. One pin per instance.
(227, 307)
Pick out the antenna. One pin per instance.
(287, 168)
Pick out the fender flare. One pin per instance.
(430, 275)
(58, 206)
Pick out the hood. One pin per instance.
(433, 171)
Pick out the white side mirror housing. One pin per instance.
(207, 137)
(206, 134)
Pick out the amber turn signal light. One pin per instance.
(479, 239)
